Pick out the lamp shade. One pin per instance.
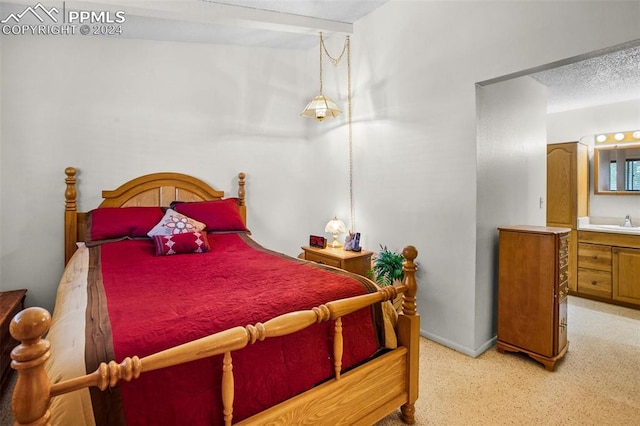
(320, 108)
(335, 226)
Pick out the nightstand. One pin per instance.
(358, 262)
(11, 302)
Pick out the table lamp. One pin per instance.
(335, 227)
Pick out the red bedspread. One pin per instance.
(141, 304)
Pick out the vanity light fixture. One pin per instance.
(618, 137)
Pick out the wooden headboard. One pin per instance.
(156, 189)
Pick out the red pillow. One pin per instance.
(218, 215)
(109, 223)
(187, 242)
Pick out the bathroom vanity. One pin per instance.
(609, 263)
(604, 255)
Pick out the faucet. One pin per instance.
(627, 221)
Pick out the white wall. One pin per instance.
(119, 108)
(512, 171)
(583, 124)
(417, 63)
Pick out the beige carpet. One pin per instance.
(597, 383)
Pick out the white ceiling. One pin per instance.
(603, 79)
(332, 10)
(596, 79)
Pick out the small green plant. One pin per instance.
(387, 267)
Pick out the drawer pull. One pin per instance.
(594, 282)
(563, 324)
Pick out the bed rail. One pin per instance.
(33, 390)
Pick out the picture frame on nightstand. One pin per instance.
(317, 242)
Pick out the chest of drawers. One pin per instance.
(533, 283)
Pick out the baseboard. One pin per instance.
(456, 347)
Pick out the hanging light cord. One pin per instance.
(321, 44)
(336, 61)
(351, 210)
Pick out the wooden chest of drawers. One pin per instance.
(11, 302)
(532, 292)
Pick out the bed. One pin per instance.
(199, 324)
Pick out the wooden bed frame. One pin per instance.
(362, 395)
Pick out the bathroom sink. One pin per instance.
(616, 228)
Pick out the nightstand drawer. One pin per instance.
(314, 257)
(358, 262)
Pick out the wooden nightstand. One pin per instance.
(352, 261)
(11, 302)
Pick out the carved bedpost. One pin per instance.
(70, 214)
(31, 396)
(409, 332)
(241, 177)
(241, 196)
(409, 268)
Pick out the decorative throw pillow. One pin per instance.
(108, 223)
(173, 223)
(217, 215)
(187, 242)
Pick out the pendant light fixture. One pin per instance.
(321, 106)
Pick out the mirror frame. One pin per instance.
(596, 168)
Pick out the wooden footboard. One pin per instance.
(360, 396)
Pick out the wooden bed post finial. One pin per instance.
(70, 193)
(409, 268)
(241, 192)
(31, 396)
(70, 214)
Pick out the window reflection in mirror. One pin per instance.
(617, 169)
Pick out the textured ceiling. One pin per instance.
(610, 78)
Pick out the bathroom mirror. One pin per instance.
(617, 169)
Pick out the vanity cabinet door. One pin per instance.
(626, 275)
(568, 194)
